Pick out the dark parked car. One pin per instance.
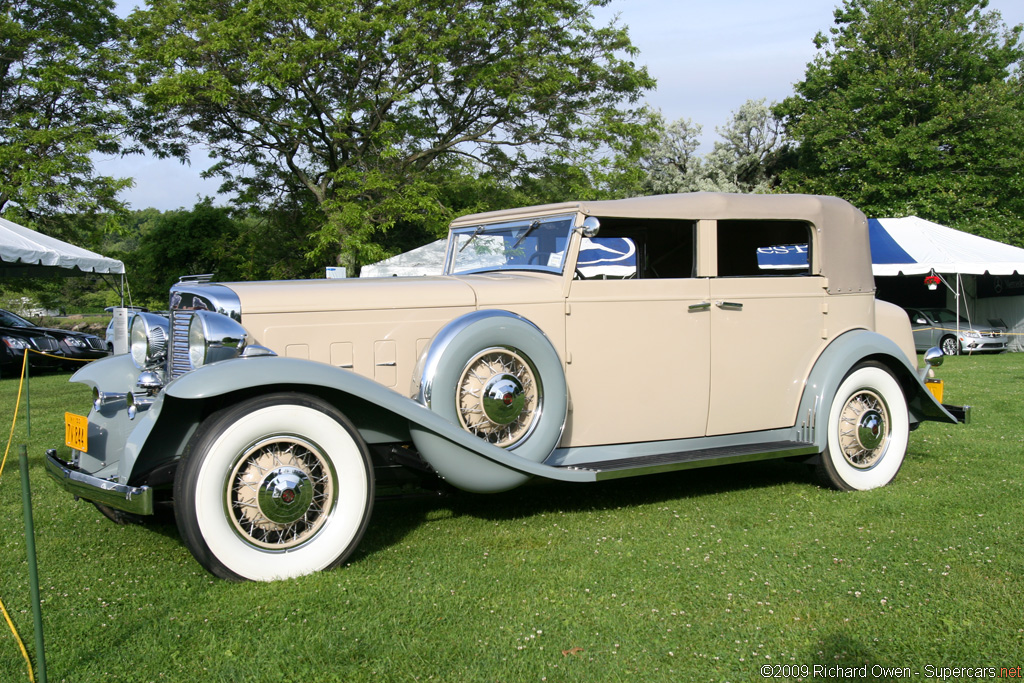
(14, 341)
(75, 346)
(954, 335)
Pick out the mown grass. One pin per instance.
(701, 575)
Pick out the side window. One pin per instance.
(755, 248)
(628, 249)
(607, 258)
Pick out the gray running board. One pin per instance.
(668, 462)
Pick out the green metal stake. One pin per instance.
(33, 574)
(28, 397)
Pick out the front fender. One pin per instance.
(462, 459)
(836, 361)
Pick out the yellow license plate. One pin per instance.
(76, 432)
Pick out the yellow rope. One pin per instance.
(14, 422)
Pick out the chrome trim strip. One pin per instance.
(135, 499)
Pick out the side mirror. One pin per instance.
(591, 226)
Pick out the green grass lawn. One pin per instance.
(703, 575)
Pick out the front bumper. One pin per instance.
(135, 499)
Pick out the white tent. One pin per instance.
(27, 252)
(914, 246)
(425, 260)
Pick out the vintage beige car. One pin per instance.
(576, 342)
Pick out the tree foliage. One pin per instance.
(745, 159)
(915, 107)
(202, 240)
(361, 110)
(61, 97)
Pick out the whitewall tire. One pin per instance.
(274, 487)
(868, 430)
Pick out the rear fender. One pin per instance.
(842, 355)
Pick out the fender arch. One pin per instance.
(380, 414)
(835, 362)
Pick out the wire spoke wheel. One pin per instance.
(280, 493)
(864, 429)
(274, 487)
(499, 396)
(868, 430)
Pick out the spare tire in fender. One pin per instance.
(497, 375)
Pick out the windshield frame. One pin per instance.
(528, 236)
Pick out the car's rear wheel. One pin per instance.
(868, 431)
(274, 487)
(950, 346)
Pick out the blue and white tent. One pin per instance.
(914, 246)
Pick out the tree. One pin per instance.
(671, 161)
(361, 109)
(744, 160)
(914, 107)
(61, 97)
(202, 240)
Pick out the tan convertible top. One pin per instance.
(843, 247)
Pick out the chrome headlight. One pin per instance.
(213, 337)
(16, 343)
(148, 337)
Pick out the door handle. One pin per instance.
(730, 305)
(702, 306)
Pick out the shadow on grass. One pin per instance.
(394, 519)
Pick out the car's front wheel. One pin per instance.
(950, 346)
(868, 430)
(274, 487)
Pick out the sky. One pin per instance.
(708, 58)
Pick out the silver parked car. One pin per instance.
(954, 335)
(576, 342)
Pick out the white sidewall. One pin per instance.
(331, 540)
(888, 465)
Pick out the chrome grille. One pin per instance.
(46, 343)
(96, 343)
(180, 363)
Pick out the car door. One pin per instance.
(638, 341)
(768, 324)
(923, 330)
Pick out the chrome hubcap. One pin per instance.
(285, 495)
(503, 399)
(280, 493)
(499, 398)
(864, 429)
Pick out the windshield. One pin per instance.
(10, 320)
(947, 316)
(534, 244)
